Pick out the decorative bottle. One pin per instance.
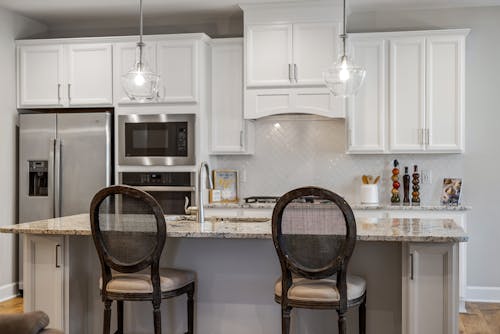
(415, 195)
(395, 199)
(406, 187)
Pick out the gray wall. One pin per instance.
(301, 153)
(12, 26)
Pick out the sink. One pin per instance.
(213, 219)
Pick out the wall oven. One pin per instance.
(174, 191)
(161, 140)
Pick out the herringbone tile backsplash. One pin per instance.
(296, 151)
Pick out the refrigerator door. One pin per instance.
(37, 134)
(84, 150)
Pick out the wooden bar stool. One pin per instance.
(129, 232)
(314, 233)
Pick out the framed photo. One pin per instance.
(225, 186)
(452, 189)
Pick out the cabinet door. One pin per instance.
(90, 74)
(268, 55)
(44, 277)
(430, 288)
(228, 129)
(315, 48)
(124, 59)
(40, 75)
(445, 93)
(367, 112)
(407, 94)
(178, 68)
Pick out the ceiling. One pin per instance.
(64, 12)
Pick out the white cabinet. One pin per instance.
(178, 69)
(367, 112)
(57, 75)
(40, 75)
(445, 93)
(430, 288)
(176, 60)
(421, 75)
(287, 49)
(90, 75)
(44, 277)
(229, 132)
(289, 54)
(269, 55)
(407, 94)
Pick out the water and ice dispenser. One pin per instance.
(38, 177)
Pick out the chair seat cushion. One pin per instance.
(170, 279)
(322, 290)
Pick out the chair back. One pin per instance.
(129, 231)
(314, 233)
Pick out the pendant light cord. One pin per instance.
(140, 44)
(344, 30)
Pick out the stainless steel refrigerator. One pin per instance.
(64, 159)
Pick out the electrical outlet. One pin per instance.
(426, 176)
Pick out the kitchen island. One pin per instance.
(411, 268)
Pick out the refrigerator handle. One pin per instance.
(57, 178)
(51, 182)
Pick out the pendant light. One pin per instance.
(344, 78)
(140, 82)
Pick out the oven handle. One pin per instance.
(165, 188)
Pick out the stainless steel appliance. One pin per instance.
(64, 159)
(147, 140)
(174, 191)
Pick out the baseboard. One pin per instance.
(8, 291)
(486, 294)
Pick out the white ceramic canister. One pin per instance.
(369, 194)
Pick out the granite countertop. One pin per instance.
(373, 229)
(353, 206)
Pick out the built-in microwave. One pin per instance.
(156, 140)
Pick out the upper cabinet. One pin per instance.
(413, 98)
(58, 75)
(176, 60)
(229, 132)
(287, 49)
(289, 54)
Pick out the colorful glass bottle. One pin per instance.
(415, 195)
(395, 199)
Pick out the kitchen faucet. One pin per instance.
(209, 185)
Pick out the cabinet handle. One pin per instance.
(290, 72)
(427, 136)
(421, 136)
(69, 93)
(58, 93)
(57, 256)
(241, 138)
(295, 72)
(411, 266)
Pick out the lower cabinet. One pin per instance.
(53, 270)
(430, 288)
(44, 277)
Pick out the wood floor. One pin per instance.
(481, 318)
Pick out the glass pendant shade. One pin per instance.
(344, 78)
(140, 83)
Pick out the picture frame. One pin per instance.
(226, 186)
(451, 192)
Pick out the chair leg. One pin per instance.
(190, 309)
(285, 319)
(157, 317)
(106, 328)
(362, 317)
(120, 316)
(342, 323)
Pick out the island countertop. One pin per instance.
(373, 229)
